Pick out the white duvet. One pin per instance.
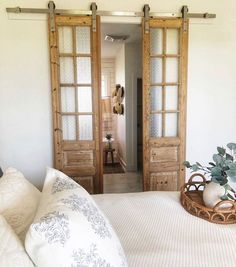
(155, 230)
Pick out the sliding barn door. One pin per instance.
(75, 72)
(164, 103)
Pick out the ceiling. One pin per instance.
(109, 49)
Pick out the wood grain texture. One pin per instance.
(55, 92)
(80, 159)
(146, 107)
(163, 156)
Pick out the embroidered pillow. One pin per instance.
(12, 252)
(70, 230)
(18, 201)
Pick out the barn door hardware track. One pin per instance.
(94, 10)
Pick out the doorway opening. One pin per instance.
(121, 104)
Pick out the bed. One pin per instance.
(64, 226)
(155, 230)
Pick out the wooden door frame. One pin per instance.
(183, 63)
(96, 84)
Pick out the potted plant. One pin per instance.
(221, 171)
(109, 137)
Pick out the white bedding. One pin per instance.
(155, 230)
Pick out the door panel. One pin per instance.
(164, 103)
(75, 55)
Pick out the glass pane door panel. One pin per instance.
(156, 36)
(156, 70)
(172, 97)
(68, 127)
(171, 124)
(172, 70)
(67, 99)
(156, 125)
(84, 70)
(66, 70)
(65, 39)
(172, 41)
(84, 99)
(83, 40)
(156, 98)
(85, 127)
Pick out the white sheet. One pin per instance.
(155, 230)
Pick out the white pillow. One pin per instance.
(18, 201)
(70, 230)
(12, 252)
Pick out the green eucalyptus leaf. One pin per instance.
(195, 167)
(229, 188)
(216, 171)
(212, 164)
(198, 164)
(221, 150)
(213, 179)
(224, 181)
(230, 196)
(231, 146)
(232, 175)
(187, 164)
(217, 159)
(229, 157)
(224, 197)
(232, 166)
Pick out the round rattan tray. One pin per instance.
(192, 200)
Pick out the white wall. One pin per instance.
(25, 111)
(133, 70)
(121, 123)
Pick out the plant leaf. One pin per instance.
(230, 196)
(198, 164)
(231, 146)
(195, 167)
(187, 164)
(224, 197)
(212, 164)
(217, 158)
(221, 150)
(229, 157)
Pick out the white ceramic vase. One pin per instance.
(212, 194)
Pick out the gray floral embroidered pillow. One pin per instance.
(70, 230)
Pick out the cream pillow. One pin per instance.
(12, 252)
(70, 230)
(18, 201)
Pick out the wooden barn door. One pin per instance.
(75, 73)
(164, 103)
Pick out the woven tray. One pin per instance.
(191, 199)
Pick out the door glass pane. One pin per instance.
(84, 99)
(172, 70)
(85, 127)
(83, 40)
(84, 70)
(66, 70)
(156, 125)
(65, 39)
(171, 97)
(156, 98)
(172, 41)
(68, 127)
(156, 70)
(156, 41)
(171, 125)
(67, 99)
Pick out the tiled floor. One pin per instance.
(122, 182)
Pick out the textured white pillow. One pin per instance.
(18, 201)
(12, 252)
(70, 230)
